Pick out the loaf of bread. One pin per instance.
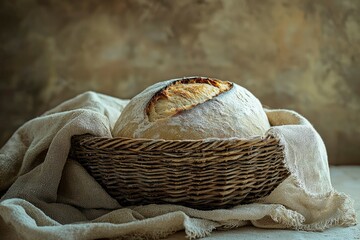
(192, 108)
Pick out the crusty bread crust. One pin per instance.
(192, 108)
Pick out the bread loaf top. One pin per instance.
(192, 108)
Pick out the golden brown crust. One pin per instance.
(184, 94)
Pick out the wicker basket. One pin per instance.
(203, 174)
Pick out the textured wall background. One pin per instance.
(302, 55)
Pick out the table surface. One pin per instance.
(344, 179)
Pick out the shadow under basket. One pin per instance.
(202, 174)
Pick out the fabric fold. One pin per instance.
(48, 196)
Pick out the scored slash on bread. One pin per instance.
(183, 95)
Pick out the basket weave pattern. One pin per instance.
(204, 174)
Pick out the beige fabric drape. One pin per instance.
(48, 196)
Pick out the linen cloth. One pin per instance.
(48, 196)
(344, 178)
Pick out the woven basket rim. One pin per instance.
(214, 139)
(148, 145)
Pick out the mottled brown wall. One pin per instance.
(301, 54)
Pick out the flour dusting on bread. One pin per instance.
(193, 108)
